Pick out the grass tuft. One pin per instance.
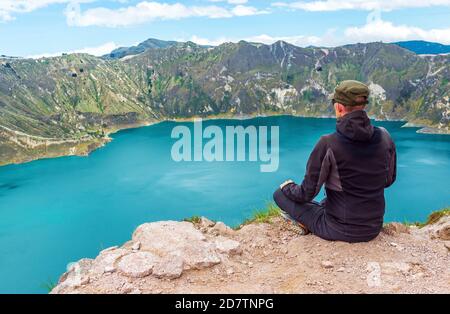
(435, 216)
(264, 215)
(193, 219)
(259, 216)
(432, 218)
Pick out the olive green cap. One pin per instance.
(351, 93)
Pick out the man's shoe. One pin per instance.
(292, 224)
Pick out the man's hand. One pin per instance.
(282, 185)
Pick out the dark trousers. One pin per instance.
(312, 215)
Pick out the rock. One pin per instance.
(168, 249)
(127, 288)
(107, 259)
(327, 264)
(395, 227)
(136, 246)
(170, 267)
(137, 265)
(77, 274)
(85, 280)
(443, 231)
(439, 229)
(222, 229)
(206, 223)
(447, 245)
(109, 249)
(228, 246)
(172, 238)
(109, 269)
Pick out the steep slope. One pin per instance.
(65, 101)
(247, 78)
(80, 98)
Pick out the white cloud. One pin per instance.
(147, 11)
(9, 8)
(96, 51)
(237, 1)
(375, 29)
(231, 1)
(298, 40)
(206, 41)
(378, 30)
(243, 10)
(368, 5)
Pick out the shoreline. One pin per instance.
(96, 143)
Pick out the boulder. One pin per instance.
(227, 246)
(172, 238)
(170, 267)
(137, 265)
(106, 261)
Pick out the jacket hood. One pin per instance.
(355, 126)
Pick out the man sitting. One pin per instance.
(356, 163)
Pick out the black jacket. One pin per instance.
(356, 164)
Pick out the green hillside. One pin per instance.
(51, 105)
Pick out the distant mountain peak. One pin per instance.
(422, 47)
(151, 43)
(416, 46)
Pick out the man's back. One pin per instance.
(363, 165)
(356, 164)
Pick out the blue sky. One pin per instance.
(50, 27)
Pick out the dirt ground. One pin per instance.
(272, 259)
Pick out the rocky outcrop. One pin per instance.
(209, 257)
(439, 229)
(160, 249)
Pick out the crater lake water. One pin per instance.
(57, 211)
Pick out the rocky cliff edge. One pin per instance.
(210, 257)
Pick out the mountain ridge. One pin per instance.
(79, 96)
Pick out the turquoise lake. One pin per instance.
(56, 211)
